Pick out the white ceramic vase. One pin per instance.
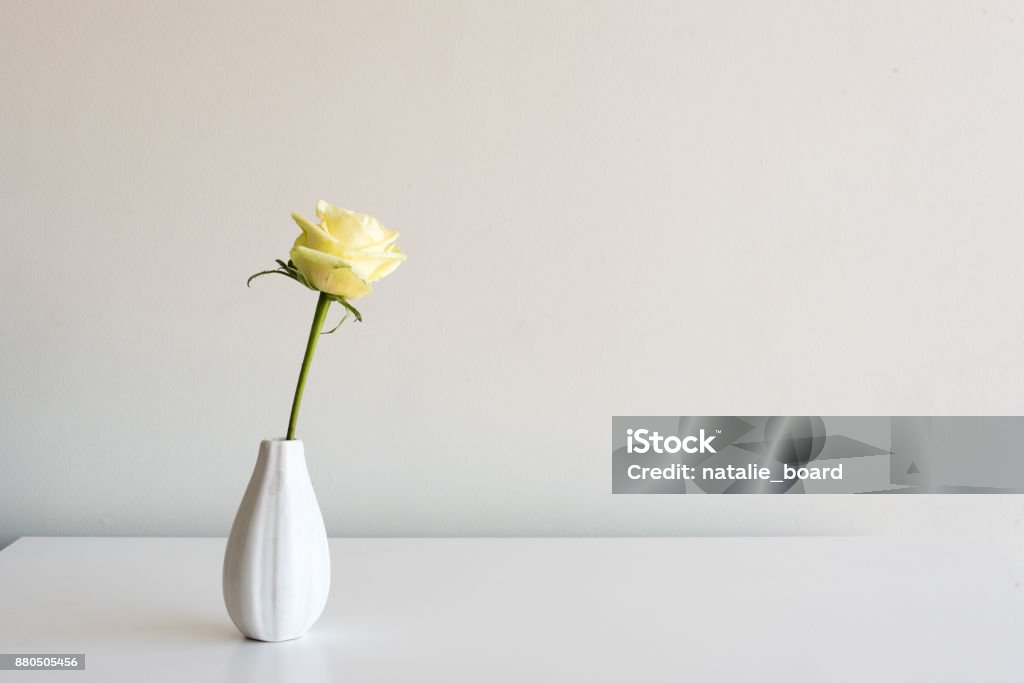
(277, 566)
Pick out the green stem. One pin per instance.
(322, 304)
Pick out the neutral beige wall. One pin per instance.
(609, 208)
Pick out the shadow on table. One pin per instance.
(185, 630)
(306, 658)
(167, 630)
(225, 653)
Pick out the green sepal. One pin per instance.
(289, 270)
(335, 328)
(344, 302)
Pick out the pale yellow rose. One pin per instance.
(345, 252)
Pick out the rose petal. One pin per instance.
(328, 273)
(316, 236)
(354, 230)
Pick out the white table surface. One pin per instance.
(818, 609)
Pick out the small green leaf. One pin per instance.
(333, 329)
(344, 302)
(286, 269)
(248, 283)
